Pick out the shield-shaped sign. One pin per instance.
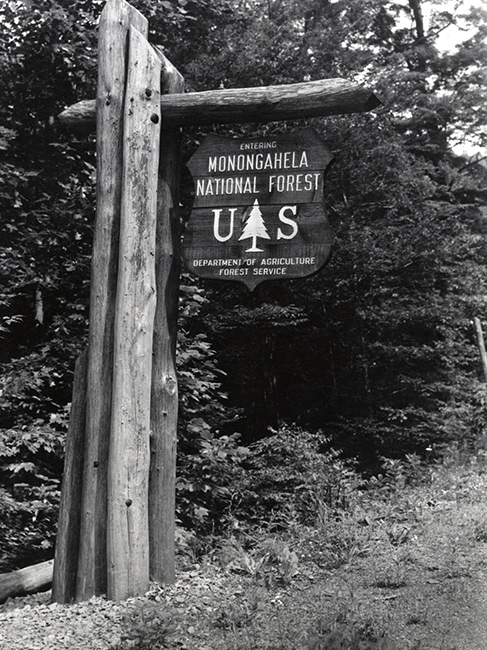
(259, 209)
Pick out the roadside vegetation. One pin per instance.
(396, 561)
(393, 562)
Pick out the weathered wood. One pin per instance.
(81, 115)
(164, 396)
(124, 531)
(26, 581)
(269, 103)
(68, 530)
(129, 456)
(481, 345)
(259, 210)
(116, 18)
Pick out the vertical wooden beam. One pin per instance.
(67, 539)
(129, 456)
(164, 395)
(115, 20)
(481, 345)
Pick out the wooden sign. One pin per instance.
(258, 215)
(258, 212)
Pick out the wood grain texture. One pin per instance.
(268, 103)
(259, 211)
(164, 396)
(68, 530)
(481, 345)
(129, 455)
(29, 580)
(116, 19)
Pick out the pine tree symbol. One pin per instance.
(254, 227)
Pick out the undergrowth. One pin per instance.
(321, 555)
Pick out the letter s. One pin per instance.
(288, 221)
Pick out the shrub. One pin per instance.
(294, 474)
(30, 463)
(208, 460)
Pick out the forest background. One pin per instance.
(374, 357)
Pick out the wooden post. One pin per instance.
(481, 343)
(116, 18)
(164, 396)
(129, 457)
(67, 539)
(128, 487)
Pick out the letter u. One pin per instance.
(216, 224)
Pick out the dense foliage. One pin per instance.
(376, 351)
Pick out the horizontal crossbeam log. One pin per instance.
(266, 104)
(28, 580)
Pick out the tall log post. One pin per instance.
(67, 539)
(481, 345)
(129, 456)
(164, 396)
(116, 18)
